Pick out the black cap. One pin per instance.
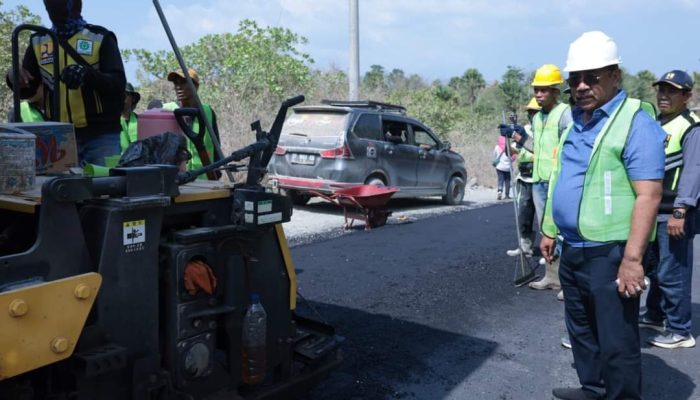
(129, 89)
(676, 78)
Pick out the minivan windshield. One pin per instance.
(315, 123)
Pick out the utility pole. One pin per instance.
(354, 58)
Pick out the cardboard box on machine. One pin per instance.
(56, 150)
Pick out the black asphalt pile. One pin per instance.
(429, 312)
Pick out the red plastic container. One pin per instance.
(156, 121)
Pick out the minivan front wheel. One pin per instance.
(455, 191)
(298, 198)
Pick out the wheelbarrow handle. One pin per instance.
(331, 198)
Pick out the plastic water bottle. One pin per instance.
(254, 340)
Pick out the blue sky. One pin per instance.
(436, 39)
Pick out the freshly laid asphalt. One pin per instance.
(429, 311)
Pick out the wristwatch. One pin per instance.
(678, 214)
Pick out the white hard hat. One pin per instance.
(592, 50)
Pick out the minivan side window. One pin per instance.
(423, 138)
(395, 132)
(368, 127)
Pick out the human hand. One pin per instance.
(675, 227)
(547, 247)
(24, 77)
(73, 75)
(630, 278)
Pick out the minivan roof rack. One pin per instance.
(366, 104)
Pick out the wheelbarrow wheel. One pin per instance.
(377, 218)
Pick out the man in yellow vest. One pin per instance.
(91, 78)
(670, 289)
(604, 193)
(129, 119)
(523, 193)
(185, 98)
(547, 126)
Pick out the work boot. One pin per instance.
(525, 246)
(574, 394)
(551, 278)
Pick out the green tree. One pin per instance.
(374, 78)
(513, 88)
(396, 80)
(468, 86)
(643, 88)
(9, 19)
(252, 61)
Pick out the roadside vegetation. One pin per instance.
(245, 74)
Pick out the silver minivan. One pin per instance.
(347, 143)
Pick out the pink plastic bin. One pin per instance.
(156, 121)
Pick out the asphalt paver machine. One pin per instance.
(95, 300)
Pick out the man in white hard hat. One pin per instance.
(603, 196)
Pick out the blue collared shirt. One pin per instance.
(643, 158)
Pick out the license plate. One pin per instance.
(302, 158)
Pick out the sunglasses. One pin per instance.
(589, 78)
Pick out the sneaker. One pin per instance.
(646, 322)
(566, 343)
(560, 297)
(670, 340)
(516, 252)
(542, 261)
(499, 196)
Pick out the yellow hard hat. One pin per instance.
(547, 75)
(532, 105)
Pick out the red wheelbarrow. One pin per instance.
(363, 202)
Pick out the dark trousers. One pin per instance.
(602, 325)
(503, 180)
(526, 209)
(672, 277)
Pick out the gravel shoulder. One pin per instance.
(321, 220)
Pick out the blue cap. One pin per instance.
(676, 78)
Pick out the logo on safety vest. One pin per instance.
(46, 56)
(84, 47)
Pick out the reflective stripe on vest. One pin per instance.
(129, 133)
(608, 197)
(87, 44)
(29, 114)
(546, 135)
(195, 162)
(675, 132)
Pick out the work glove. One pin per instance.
(508, 130)
(74, 75)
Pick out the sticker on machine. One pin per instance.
(134, 235)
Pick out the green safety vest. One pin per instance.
(546, 139)
(608, 197)
(29, 113)
(675, 132)
(129, 133)
(195, 162)
(525, 156)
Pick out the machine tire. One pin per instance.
(455, 191)
(375, 180)
(298, 198)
